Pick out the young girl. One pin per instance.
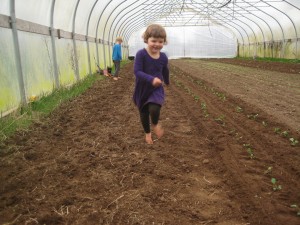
(151, 71)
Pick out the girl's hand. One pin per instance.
(156, 82)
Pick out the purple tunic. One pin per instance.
(146, 69)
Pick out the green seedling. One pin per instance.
(220, 119)
(253, 116)
(177, 83)
(199, 82)
(187, 89)
(269, 170)
(294, 141)
(264, 123)
(285, 133)
(239, 109)
(277, 130)
(196, 98)
(276, 187)
(204, 109)
(249, 150)
(221, 96)
(296, 207)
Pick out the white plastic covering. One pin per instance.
(46, 44)
(192, 42)
(4, 7)
(34, 11)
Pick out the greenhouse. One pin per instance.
(150, 112)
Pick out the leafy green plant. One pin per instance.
(187, 89)
(294, 141)
(238, 109)
(277, 130)
(276, 187)
(285, 133)
(253, 116)
(221, 96)
(177, 83)
(199, 82)
(249, 150)
(220, 119)
(196, 98)
(269, 170)
(204, 109)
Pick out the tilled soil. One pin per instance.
(227, 134)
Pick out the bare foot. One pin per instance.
(158, 130)
(115, 78)
(149, 139)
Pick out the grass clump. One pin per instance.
(24, 116)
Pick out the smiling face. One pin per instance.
(155, 45)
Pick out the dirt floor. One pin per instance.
(228, 126)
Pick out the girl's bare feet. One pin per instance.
(149, 139)
(158, 130)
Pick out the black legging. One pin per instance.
(151, 110)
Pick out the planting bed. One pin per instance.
(227, 134)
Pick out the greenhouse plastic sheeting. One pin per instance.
(192, 42)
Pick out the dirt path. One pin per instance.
(88, 164)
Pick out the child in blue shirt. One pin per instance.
(117, 57)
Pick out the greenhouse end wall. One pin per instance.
(192, 42)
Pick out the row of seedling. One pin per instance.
(277, 130)
(221, 95)
(249, 148)
(278, 187)
(219, 119)
(293, 141)
(275, 185)
(195, 97)
(253, 116)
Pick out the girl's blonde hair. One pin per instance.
(155, 31)
(119, 39)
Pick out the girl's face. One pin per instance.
(155, 44)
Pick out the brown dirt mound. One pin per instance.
(88, 163)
